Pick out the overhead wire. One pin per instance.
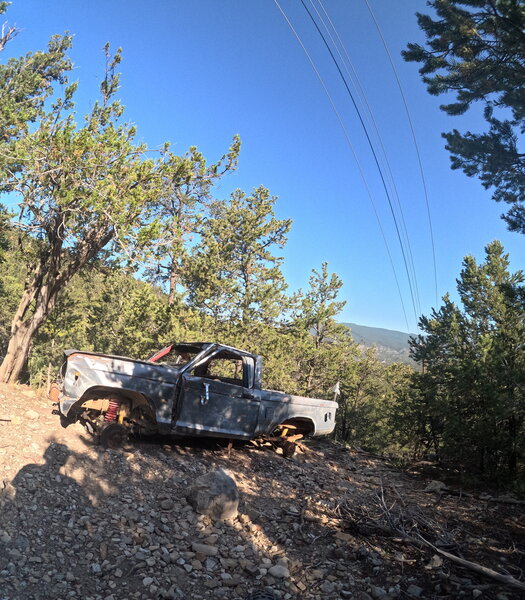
(411, 284)
(414, 138)
(360, 92)
(360, 169)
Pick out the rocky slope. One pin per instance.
(78, 521)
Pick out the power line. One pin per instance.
(375, 159)
(354, 77)
(361, 171)
(416, 145)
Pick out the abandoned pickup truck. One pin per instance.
(204, 389)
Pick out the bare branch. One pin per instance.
(8, 33)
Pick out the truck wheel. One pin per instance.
(262, 595)
(113, 435)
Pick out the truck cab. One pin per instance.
(219, 390)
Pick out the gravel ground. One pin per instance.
(78, 521)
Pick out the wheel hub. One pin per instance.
(113, 435)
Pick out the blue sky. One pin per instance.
(196, 73)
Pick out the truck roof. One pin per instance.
(195, 347)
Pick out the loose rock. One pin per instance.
(205, 549)
(279, 571)
(215, 494)
(414, 590)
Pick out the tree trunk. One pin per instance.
(172, 283)
(25, 326)
(344, 422)
(512, 457)
(48, 280)
(18, 350)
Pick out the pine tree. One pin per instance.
(184, 201)
(473, 390)
(476, 50)
(324, 347)
(234, 276)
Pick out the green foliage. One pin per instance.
(476, 50)
(135, 321)
(319, 307)
(185, 198)
(27, 82)
(233, 275)
(370, 393)
(325, 347)
(80, 189)
(472, 394)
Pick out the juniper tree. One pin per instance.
(79, 189)
(27, 82)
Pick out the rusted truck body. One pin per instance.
(196, 389)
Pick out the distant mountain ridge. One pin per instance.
(392, 346)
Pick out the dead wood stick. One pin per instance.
(301, 524)
(420, 540)
(393, 486)
(504, 501)
(506, 579)
(463, 494)
(372, 454)
(394, 528)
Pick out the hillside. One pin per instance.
(392, 346)
(329, 523)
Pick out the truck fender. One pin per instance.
(92, 398)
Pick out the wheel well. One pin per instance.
(95, 395)
(298, 425)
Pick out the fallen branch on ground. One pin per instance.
(405, 524)
(504, 501)
(506, 579)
